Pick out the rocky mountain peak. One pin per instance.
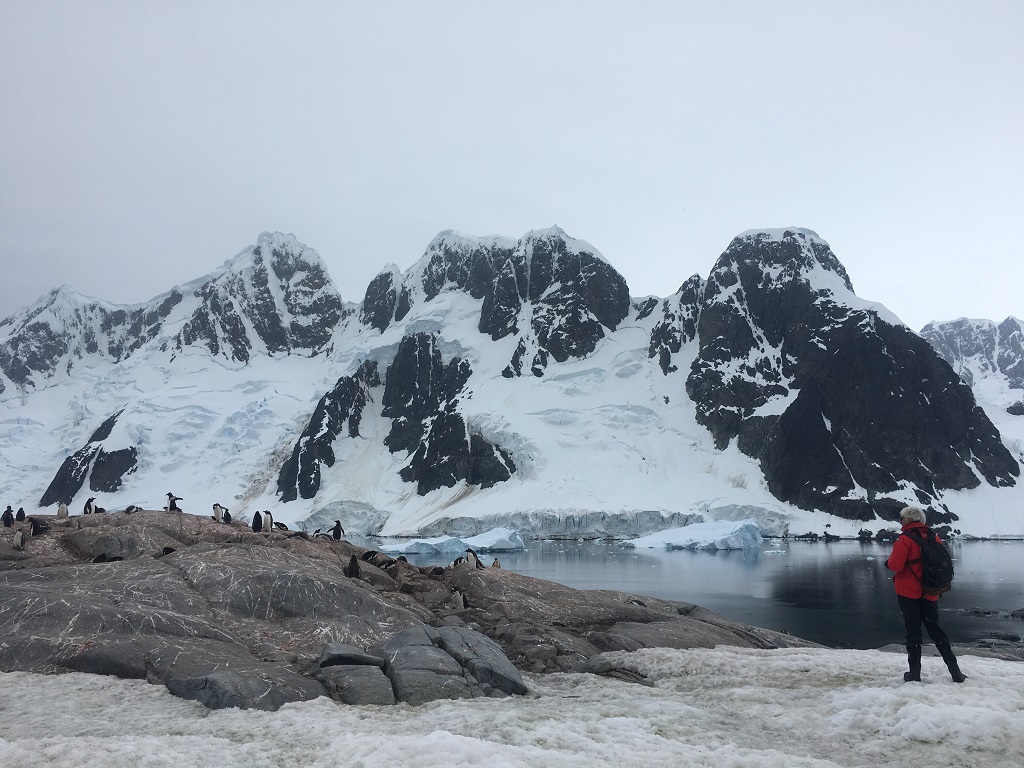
(780, 255)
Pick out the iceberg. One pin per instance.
(494, 540)
(742, 534)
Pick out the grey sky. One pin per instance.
(143, 143)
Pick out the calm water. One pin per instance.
(839, 594)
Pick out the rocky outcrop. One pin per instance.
(678, 323)
(421, 396)
(277, 296)
(233, 618)
(840, 404)
(104, 466)
(337, 415)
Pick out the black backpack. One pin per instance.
(936, 563)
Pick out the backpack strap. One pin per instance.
(915, 537)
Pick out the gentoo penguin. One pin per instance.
(218, 513)
(8, 517)
(131, 509)
(459, 600)
(36, 528)
(268, 521)
(473, 560)
(227, 517)
(90, 506)
(337, 531)
(62, 511)
(280, 526)
(352, 571)
(495, 564)
(172, 500)
(19, 539)
(457, 561)
(257, 522)
(21, 514)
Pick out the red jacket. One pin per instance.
(908, 574)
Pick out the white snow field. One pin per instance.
(720, 707)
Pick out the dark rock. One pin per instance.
(357, 684)
(875, 405)
(482, 657)
(338, 414)
(347, 655)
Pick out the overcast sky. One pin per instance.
(144, 143)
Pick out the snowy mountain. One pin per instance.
(502, 380)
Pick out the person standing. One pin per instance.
(918, 607)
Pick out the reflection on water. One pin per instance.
(839, 593)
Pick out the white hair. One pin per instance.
(912, 515)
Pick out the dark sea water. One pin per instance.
(839, 594)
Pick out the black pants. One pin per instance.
(918, 611)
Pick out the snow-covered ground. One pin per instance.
(721, 707)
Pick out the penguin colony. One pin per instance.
(262, 521)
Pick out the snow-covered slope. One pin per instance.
(502, 381)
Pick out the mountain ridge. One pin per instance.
(562, 383)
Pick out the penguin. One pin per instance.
(172, 500)
(496, 563)
(218, 513)
(19, 539)
(268, 522)
(280, 526)
(352, 570)
(457, 562)
(337, 531)
(21, 514)
(131, 509)
(459, 600)
(36, 528)
(91, 508)
(257, 522)
(8, 518)
(473, 560)
(227, 517)
(62, 511)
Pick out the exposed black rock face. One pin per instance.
(338, 412)
(573, 296)
(875, 408)
(421, 395)
(105, 470)
(70, 477)
(304, 320)
(679, 324)
(110, 469)
(65, 327)
(1016, 409)
(501, 304)
(980, 347)
(379, 301)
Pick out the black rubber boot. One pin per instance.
(914, 660)
(951, 663)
